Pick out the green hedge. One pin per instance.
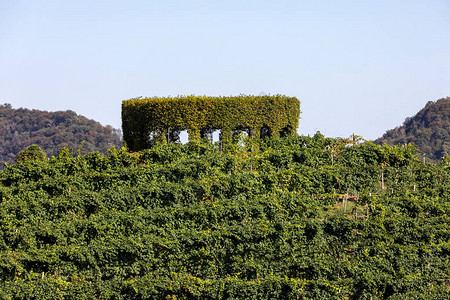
(148, 120)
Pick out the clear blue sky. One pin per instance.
(356, 66)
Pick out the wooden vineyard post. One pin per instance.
(345, 201)
(251, 157)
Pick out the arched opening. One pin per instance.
(173, 135)
(241, 136)
(184, 136)
(265, 132)
(152, 138)
(285, 131)
(216, 135)
(211, 134)
(241, 130)
(206, 133)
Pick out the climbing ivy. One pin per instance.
(148, 120)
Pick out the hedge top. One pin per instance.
(146, 120)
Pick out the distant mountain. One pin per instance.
(20, 128)
(429, 130)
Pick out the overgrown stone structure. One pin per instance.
(149, 120)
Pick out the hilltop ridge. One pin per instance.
(20, 128)
(429, 130)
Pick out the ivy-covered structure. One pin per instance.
(148, 120)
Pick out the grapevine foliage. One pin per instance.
(189, 221)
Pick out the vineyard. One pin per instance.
(280, 218)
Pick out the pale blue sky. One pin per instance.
(356, 66)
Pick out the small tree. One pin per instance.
(33, 152)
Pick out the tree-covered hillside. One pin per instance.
(20, 128)
(429, 130)
(262, 220)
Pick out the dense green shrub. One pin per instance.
(187, 221)
(33, 152)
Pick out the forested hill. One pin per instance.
(20, 128)
(429, 130)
